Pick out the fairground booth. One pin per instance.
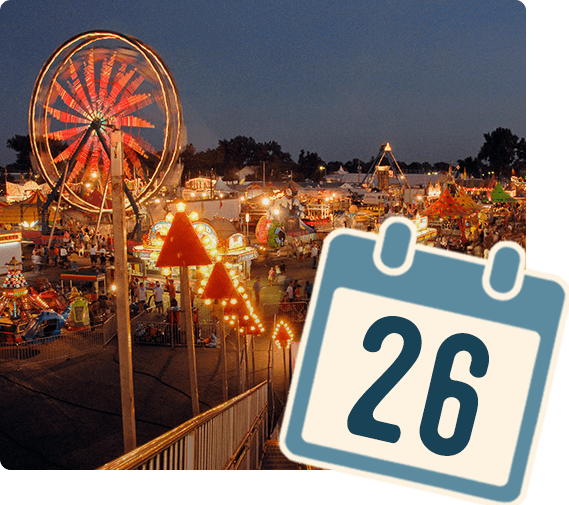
(221, 239)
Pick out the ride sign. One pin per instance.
(430, 371)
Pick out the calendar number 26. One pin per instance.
(361, 421)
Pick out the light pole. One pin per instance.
(323, 168)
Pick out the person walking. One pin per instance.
(171, 290)
(103, 256)
(314, 254)
(63, 256)
(290, 291)
(74, 258)
(174, 318)
(36, 260)
(141, 295)
(257, 290)
(132, 288)
(93, 255)
(158, 293)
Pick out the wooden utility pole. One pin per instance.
(189, 327)
(121, 281)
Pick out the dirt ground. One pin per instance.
(67, 414)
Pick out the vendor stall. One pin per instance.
(447, 210)
(85, 280)
(220, 238)
(27, 211)
(425, 235)
(10, 247)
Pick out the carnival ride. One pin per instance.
(24, 315)
(283, 219)
(92, 84)
(379, 172)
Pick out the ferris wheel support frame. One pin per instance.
(94, 126)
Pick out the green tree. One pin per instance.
(472, 166)
(520, 163)
(356, 165)
(277, 162)
(20, 144)
(501, 149)
(309, 165)
(240, 152)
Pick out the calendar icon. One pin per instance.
(423, 366)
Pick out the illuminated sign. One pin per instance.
(236, 241)
(10, 237)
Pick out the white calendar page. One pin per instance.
(346, 370)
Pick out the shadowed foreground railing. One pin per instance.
(230, 436)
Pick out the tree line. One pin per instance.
(501, 152)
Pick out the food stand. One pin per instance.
(94, 280)
(10, 247)
(220, 238)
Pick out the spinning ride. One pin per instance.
(94, 83)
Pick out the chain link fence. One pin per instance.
(14, 356)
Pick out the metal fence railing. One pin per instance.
(14, 356)
(230, 436)
(292, 311)
(159, 333)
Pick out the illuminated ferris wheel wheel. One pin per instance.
(92, 84)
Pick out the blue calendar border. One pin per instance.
(433, 280)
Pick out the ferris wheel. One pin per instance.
(94, 83)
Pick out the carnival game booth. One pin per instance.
(91, 282)
(425, 234)
(26, 213)
(219, 237)
(10, 248)
(21, 192)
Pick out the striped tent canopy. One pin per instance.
(28, 210)
(446, 207)
(463, 199)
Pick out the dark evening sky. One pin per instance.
(337, 78)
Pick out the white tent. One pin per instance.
(221, 186)
(19, 192)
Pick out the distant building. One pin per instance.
(345, 177)
(201, 183)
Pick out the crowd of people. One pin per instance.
(476, 237)
(73, 246)
(140, 299)
(505, 221)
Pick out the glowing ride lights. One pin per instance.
(220, 238)
(91, 84)
(183, 248)
(234, 300)
(282, 335)
(219, 286)
(240, 311)
(224, 287)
